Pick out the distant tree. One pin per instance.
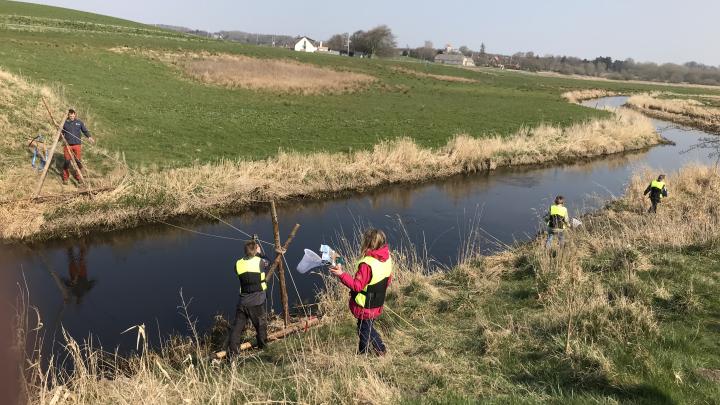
(482, 49)
(465, 50)
(337, 42)
(381, 41)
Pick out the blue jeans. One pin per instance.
(560, 236)
(369, 335)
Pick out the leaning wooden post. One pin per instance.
(49, 159)
(281, 272)
(72, 154)
(278, 259)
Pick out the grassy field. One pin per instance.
(626, 313)
(158, 116)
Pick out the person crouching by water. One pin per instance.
(251, 305)
(368, 287)
(557, 220)
(657, 192)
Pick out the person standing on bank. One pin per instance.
(73, 130)
(557, 220)
(657, 192)
(368, 288)
(251, 304)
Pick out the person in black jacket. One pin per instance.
(251, 271)
(657, 192)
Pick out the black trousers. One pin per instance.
(653, 206)
(256, 315)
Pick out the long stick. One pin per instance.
(49, 159)
(278, 259)
(72, 154)
(281, 273)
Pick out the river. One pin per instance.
(103, 284)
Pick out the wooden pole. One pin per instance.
(278, 259)
(281, 272)
(72, 155)
(49, 159)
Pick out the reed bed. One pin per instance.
(690, 112)
(578, 96)
(471, 332)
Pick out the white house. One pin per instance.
(305, 44)
(453, 57)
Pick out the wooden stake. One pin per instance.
(72, 154)
(49, 159)
(278, 259)
(281, 273)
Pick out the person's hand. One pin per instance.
(336, 270)
(92, 140)
(280, 251)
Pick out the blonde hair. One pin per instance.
(372, 239)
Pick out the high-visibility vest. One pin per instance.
(373, 295)
(558, 216)
(251, 275)
(659, 185)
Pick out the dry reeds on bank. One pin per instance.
(578, 96)
(232, 185)
(689, 112)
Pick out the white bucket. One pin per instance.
(310, 261)
(575, 223)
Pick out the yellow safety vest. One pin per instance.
(373, 295)
(659, 185)
(558, 216)
(251, 274)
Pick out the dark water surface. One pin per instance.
(104, 284)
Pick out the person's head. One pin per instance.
(72, 114)
(251, 248)
(372, 239)
(661, 177)
(559, 200)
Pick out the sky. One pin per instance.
(645, 30)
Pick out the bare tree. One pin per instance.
(337, 42)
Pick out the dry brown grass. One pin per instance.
(275, 75)
(444, 78)
(576, 318)
(578, 96)
(688, 112)
(289, 175)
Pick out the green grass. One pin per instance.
(157, 117)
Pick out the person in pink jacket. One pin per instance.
(368, 288)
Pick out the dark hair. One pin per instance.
(559, 199)
(71, 111)
(251, 248)
(660, 177)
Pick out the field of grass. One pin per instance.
(628, 313)
(158, 117)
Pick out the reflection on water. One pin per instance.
(106, 283)
(77, 281)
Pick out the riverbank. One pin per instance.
(135, 197)
(627, 312)
(693, 113)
